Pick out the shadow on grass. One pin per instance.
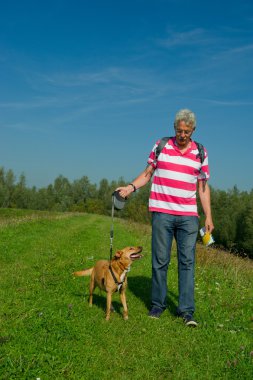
(99, 300)
(140, 286)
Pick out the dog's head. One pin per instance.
(128, 254)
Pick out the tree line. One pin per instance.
(232, 210)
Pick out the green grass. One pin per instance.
(47, 330)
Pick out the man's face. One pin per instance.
(183, 134)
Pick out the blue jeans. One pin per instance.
(185, 230)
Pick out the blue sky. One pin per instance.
(87, 87)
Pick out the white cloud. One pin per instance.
(224, 102)
(30, 103)
(197, 36)
(240, 49)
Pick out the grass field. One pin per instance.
(47, 330)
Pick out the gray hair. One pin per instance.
(187, 116)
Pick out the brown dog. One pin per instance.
(112, 276)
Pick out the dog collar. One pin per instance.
(119, 284)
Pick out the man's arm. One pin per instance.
(205, 199)
(138, 182)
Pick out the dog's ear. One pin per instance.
(118, 254)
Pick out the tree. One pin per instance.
(9, 186)
(20, 197)
(62, 193)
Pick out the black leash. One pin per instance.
(112, 231)
(117, 203)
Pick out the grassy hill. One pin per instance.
(47, 330)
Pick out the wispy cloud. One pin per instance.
(81, 79)
(109, 84)
(222, 102)
(240, 49)
(24, 127)
(106, 76)
(77, 93)
(223, 41)
(30, 103)
(197, 36)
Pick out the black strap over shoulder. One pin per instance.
(160, 146)
(201, 153)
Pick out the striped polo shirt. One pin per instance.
(174, 183)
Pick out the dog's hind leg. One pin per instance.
(92, 287)
(123, 300)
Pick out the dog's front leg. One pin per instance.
(123, 300)
(108, 305)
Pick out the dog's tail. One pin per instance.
(85, 272)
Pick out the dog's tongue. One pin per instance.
(135, 256)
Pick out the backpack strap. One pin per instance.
(201, 153)
(160, 147)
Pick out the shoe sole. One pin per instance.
(191, 324)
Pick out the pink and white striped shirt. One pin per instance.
(174, 184)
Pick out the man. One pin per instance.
(177, 174)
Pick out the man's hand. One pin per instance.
(209, 225)
(125, 191)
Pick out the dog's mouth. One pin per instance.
(135, 256)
